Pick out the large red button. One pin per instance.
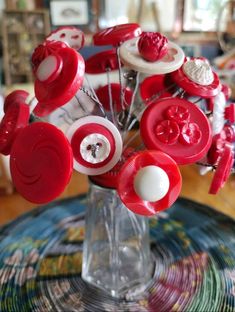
(15, 118)
(117, 34)
(63, 86)
(223, 170)
(132, 183)
(101, 62)
(194, 88)
(15, 97)
(195, 136)
(41, 162)
(115, 88)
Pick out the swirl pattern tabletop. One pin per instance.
(193, 247)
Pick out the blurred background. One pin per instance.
(201, 27)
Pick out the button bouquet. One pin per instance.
(176, 103)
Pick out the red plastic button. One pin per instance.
(101, 62)
(193, 88)
(71, 35)
(117, 34)
(179, 114)
(227, 91)
(230, 113)
(229, 133)
(190, 134)
(41, 162)
(63, 88)
(181, 153)
(223, 170)
(155, 87)
(103, 95)
(126, 186)
(167, 131)
(45, 49)
(216, 149)
(15, 118)
(15, 97)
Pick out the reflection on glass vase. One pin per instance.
(116, 252)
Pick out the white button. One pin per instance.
(151, 183)
(47, 68)
(95, 148)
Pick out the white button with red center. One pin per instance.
(146, 180)
(96, 145)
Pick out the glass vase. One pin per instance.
(116, 252)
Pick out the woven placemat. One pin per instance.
(41, 258)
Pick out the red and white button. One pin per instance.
(41, 162)
(130, 56)
(149, 182)
(58, 78)
(196, 77)
(117, 34)
(96, 145)
(176, 127)
(15, 118)
(71, 35)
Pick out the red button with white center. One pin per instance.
(41, 162)
(96, 145)
(72, 36)
(149, 182)
(58, 78)
(117, 34)
(15, 118)
(223, 169)
(196, 77)
(184, 144)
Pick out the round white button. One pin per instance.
(151, 183)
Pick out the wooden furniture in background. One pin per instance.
(22, 31)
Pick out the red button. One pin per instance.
(103, 95)
(229, 113)
(63, 88)
(216, 149)
(154, 87)
(193, 88)
(167, 131)
(128, 173)
(223, 170)
(15, 97)
(45, 49)
(179, 114)
(183, 154)
(101, 62)
(15, 118)
(117, 34)
(41, 162)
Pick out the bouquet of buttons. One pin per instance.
(175, 103)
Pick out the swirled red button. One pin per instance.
(15, 118)
(149, 182)
(41, 162)
(15, 97)
(176, 127)
(96, 145)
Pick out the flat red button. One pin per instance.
(101, 62)
(179, 114)
(15, 97)
(223, 170)
(155, 87)
(167, 131)
(193, 88)
(15, 118)
(58, 92)
(229, 113)
(103, 95)
(190, 134)
(117, 34)
(128, 173)
(41, 162)
(183, 154)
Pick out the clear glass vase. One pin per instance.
(116, 252)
